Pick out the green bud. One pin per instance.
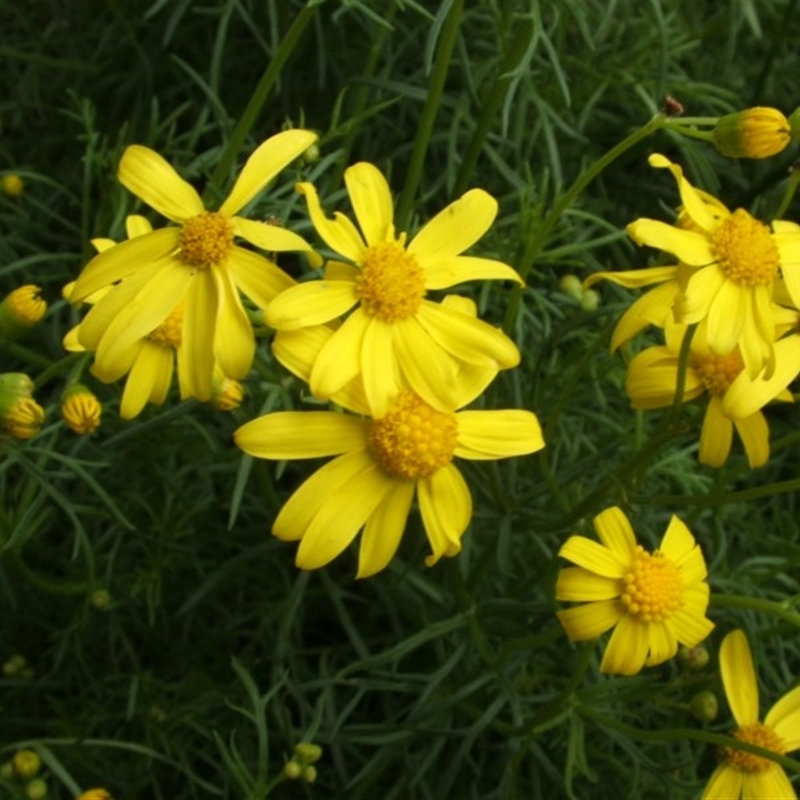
(705, 706)
(590, 300)
(309, 774)
(693, 658)
(14, 665)
(308, 752)
(27, 764)
(571, 285)
(7, 770)
(292, 770)
(36, 790)
(100, 599)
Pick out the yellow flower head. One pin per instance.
(24, 418)
(655, 600)
(95, 794)
(753, 133)
(80, 409)
(393, 330)
(741, 773)
(12, 185)
(383, 461)
(21, 309)
(196, 262)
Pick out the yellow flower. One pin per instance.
(94, 794)
(195, 263)
(735, 262)
(655, 600)
(753, 133)
(652, 382)
(12, 184)
(743, 774)
(393, 330)
(383, 461)
(81, 410)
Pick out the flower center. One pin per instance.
(745, 250)
(652, 587)
(168, 333)
(757, 734)
(205, 240)
(718, 372)
(413, 440)
(391, 284)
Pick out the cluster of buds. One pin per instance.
(23, 770)
(301, 765)
(20, 415)
(17, 667)
(571, 285)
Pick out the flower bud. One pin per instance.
(571, 285)
(308, 752)
(292, 770)
(7, 770)
(12, 185)
(20, 310)
(27, 764)
(226, 393)
(36, 790)
(309, 774)
(753, 133)
(80, 409)
(590, 300)
(100, 599)
(705, 706)
(95, 794)
(14, 665)
(693, 658)
(24, 419)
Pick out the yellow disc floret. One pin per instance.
(759, 735)
(391, 283)
(168, 333)
(718, 372)
(205, 239)
(413, 440)
(652, 587)
(745, 250)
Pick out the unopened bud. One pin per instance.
(14, 665)
(753, 133)
(590, 300)
(12, 185)
(705, 706)
(308, 752)
(571, 285)
(693, 658)
(36, 790)
(292, 770)
(20, 310)
(80, 409)
(27, 764)
(100, 599)
(226, 393)
(309, 774)
(24, 419)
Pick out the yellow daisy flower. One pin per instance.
(383, 462)
(655, 600)
(652, 381)
(393, 330)
(195, 263)
(742, 774)
(736, 261)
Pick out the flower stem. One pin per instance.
(249, 115)
(791, 188)
(432, 104)
(768, 607)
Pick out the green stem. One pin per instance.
(248, 118)
(759, 604)
(26, 354)
(791, 188)
(432, 104)
(680, 378)
(745, 495)
(536, 242)
(66, 363)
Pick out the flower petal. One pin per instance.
(149, 379)
(715, 435)
(338, 233)
(384, 529)
(726, 317)
(739, 678)
(372, 201)
(234, 341)
(662, 644)
(484, 435)
(702, 288)
(693, 202)
(301, 434)
(627, 649)
(593, 556)
(271, 238)
(267, 160)
(339, 360)
(444, 272)
(652, 308)
(690, 247)
(725, 783)
(616, 533)
(379, 368)
(784, 717)
(258, 278)
(590, 620)
(446, 507)
(196, 353)
(577, 585)
(690, 628)
(754, 433)
(678, 543)
(771, 784)
(635, 278)
(311, 303)
(153, 179)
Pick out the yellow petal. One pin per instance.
(371, 199)
(715, 435)
(754, 433)
(678, 543)
(690, 627)
(268, 159)
(342, 517)
(196, 353)
(301, 434)
(338, 233)
(662, 644)
(791, 277)
(379, 369)
(702, 288)
(330, 481)
(694, 204)
(137, 225)
(593, 556)
(339, 360)
(484, 435)
(456, 227)
(577, 585)
(339, 271)
(627, 648)
(591, 620)
(690, 247)
(123, 260)
(616, 533)
(635, 278)
(443, 272)
(726, 316)
(739, 678)
(298, 350)
(384, 529)
(725, 784)
(149, 379)
(446, 507)
(766, 785)
(110, 371)
(784, 716)
(271, 238)
(257, 277)
(652, 308)
(234, 341)
(152, 179)
(311, 303)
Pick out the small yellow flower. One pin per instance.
(655, 600)
(743, 774)
(21, 309)
(393, 333)
(80, 409)
(753, 133)
(94, 794)
(12, 185)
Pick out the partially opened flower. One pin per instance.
(383, 462)
(654, 601)
(195, 265)
(743, 774)
(393, 329)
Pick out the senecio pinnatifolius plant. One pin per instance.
(392, 430)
